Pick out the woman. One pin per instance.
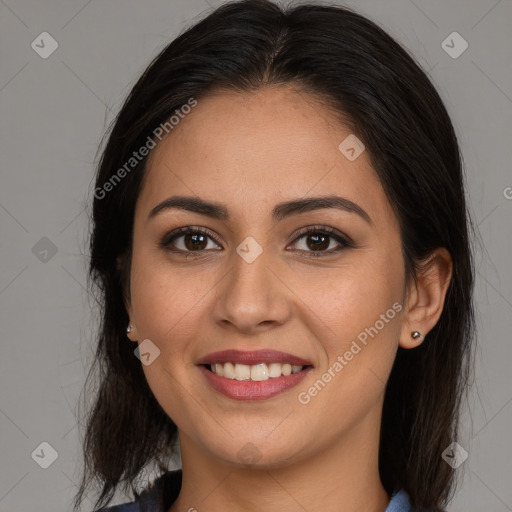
(280, 229)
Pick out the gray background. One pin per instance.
(53, 113)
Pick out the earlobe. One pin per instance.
(131, 332)
(130, 329)
(426, 299)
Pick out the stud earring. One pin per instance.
(416, 335)
(129, 329)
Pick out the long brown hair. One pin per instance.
(372, 83)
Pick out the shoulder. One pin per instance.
(400, 502)
(148, 501)
(157, 497)
(133, 506)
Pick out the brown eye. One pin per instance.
(193, 241)
(187, 239)
(318, 240)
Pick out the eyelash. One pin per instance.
(166, 241)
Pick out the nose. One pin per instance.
(253, 297)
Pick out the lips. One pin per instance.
(253, 358)
(239, 384)
(253, 390)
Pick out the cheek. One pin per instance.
(164, 299)
(358, 319)
(167, 305)
(351, 298)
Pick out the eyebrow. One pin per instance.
(281, 210)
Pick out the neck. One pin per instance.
(343, 476)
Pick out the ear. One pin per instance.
(426, 297)
(132, 335)
(121, 269)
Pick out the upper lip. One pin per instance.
(252, 357)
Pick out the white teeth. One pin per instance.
(242, 372)
(259, 372)
(255, 372)
(274, 370)
(286, 369)
(219, 369)
(229, 370)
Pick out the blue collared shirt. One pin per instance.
(164, 491)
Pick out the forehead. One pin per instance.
(277, 142)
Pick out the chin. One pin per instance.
(256, 452)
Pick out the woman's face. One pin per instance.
(252, 282)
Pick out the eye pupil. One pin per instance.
(319, 244)
(196, 237)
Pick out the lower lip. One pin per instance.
(253, 390)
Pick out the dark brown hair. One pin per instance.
(375, 87)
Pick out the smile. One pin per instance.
(253, 375)
(257, 372)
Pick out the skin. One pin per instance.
(251, 151)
